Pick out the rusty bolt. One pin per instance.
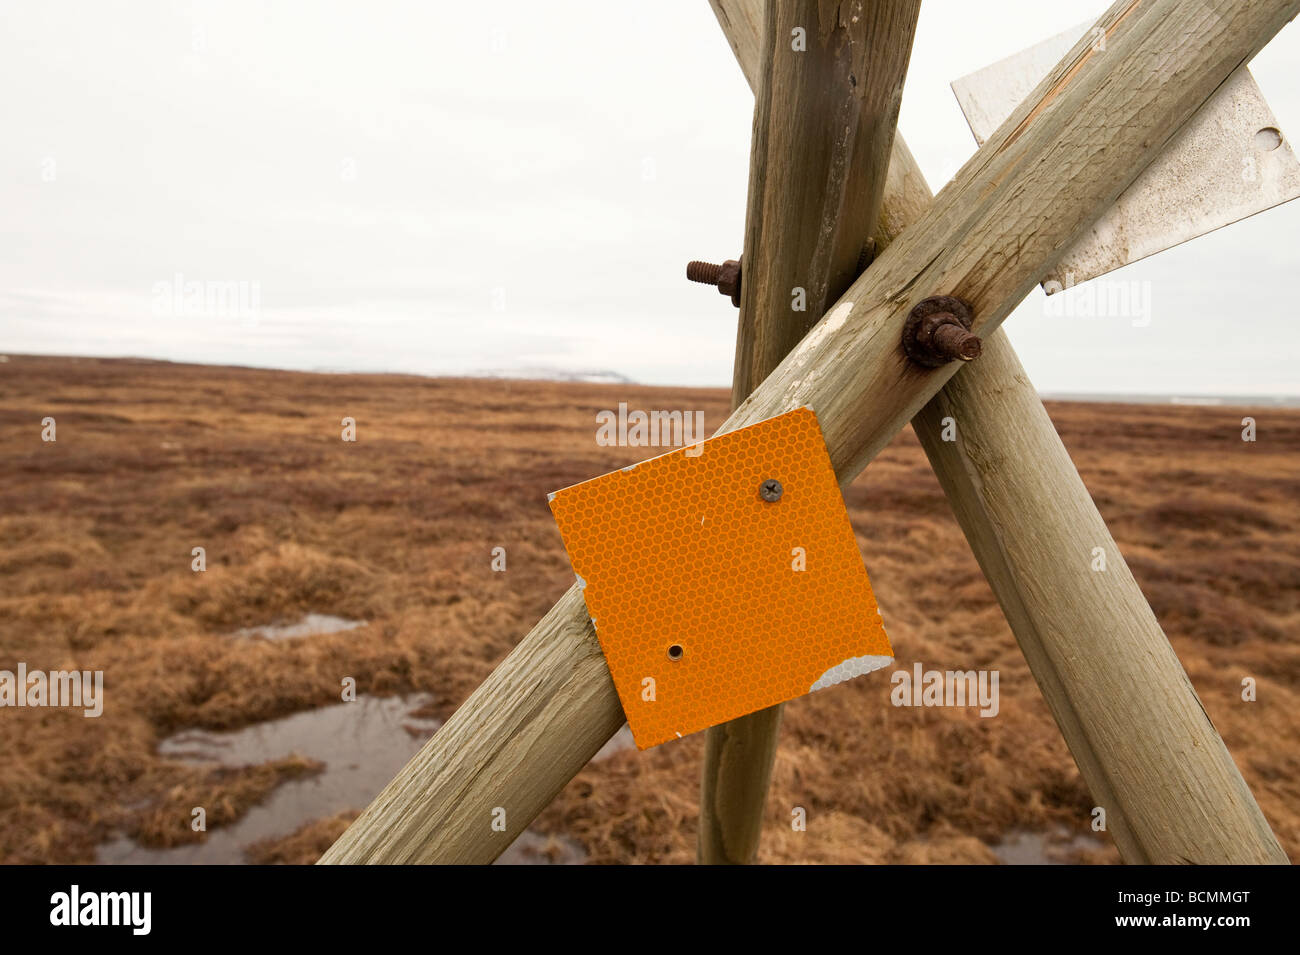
(938, 331)
(771, 490)
(725, 276)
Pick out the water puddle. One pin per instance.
(311, 624)
(1022, 847)
(533, 848)
(362, 744)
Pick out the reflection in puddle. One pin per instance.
(362, 745)
(532, 848)
(310, 625)
(1021, 847)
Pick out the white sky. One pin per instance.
(417, 187)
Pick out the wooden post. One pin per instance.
(1142, 739)
(1076, 142)
(906, 194)
(824, 122)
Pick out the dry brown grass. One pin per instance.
(224, 793)
(153, 459)
(303, 846)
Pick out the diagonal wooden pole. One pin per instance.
(824, 121)
(1043, 178)
(1038, 560)
(1137, 730)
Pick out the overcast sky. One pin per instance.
(420, 187)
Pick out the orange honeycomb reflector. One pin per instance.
(712, 600)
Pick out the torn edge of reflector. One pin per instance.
(850, 668)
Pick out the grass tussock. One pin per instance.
(305, 845)
(225, 795)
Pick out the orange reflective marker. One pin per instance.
(714, 592)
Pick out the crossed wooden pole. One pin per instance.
(828, 174)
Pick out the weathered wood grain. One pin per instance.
(824, 123)
(742, 24)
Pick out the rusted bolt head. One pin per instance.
(938, 331)
(771, 490)
(729, 280)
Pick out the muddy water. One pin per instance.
(1022, 847)
(534, 848)
(362, 745)
(310, 625)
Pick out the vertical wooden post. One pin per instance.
(826, 109)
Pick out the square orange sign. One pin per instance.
(723, 578)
